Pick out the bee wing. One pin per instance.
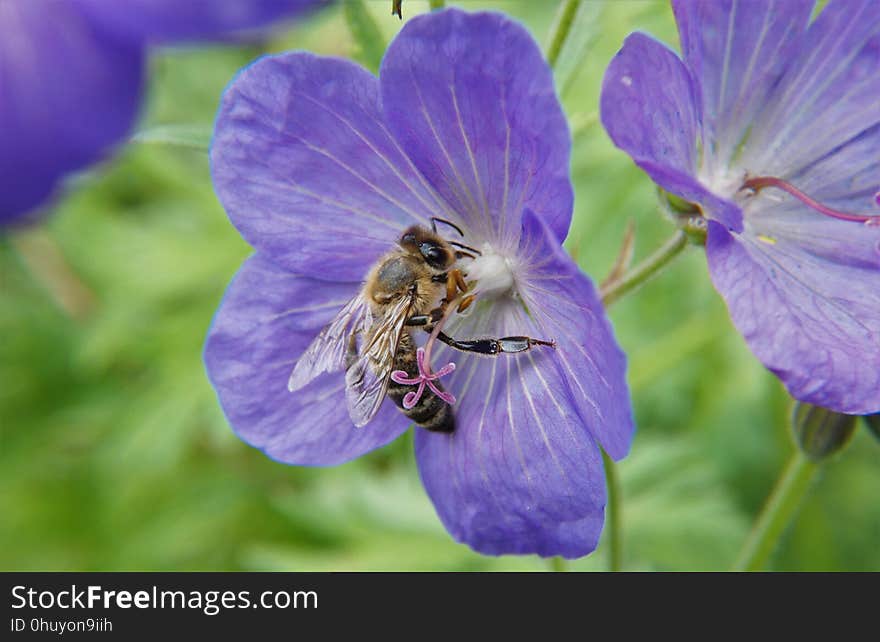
(367, 379)
(327, 353)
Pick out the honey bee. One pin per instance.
(371, 336)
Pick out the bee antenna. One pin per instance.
(437, 219)
(466, 247)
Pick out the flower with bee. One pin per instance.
(410, 221)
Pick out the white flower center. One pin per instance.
(493, 273)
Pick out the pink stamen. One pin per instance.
(757, 183)
(425, 377)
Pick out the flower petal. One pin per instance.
(471, 99)
(172, 20)
(522, 473)
(267, 319)
(306, 169)
(813, 321)
(828, 94)
(567, 308)
(649, 110)
(736, 51)
(67, 94)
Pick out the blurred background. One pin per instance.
(115, 455)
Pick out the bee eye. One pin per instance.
(433, 254)
(408, 238)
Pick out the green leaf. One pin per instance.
(190, 136)
(370, 43)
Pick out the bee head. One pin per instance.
(427, 245)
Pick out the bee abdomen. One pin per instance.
(430, 411)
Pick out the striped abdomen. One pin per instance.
(430, 412)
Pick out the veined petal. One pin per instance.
(68, 93)
(174, 20)
(812, 320)
(266, 320)
(566, 308)
(736, 50)
(522, 473)
(308, 172)
(649, 110)
(829, 93)
(471, 100)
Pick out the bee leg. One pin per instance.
(426, 319)
(493, 347)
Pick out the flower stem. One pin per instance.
(615, 519)
(561, 28)
(558, 565)
(370, 45)
(777, 513)
(436, 4)
(49, 267)
(612, 291)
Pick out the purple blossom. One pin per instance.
(771, 125)
(73, 73)
(321, 166)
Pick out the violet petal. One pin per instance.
(471, 99)
(177, 20)
(266, 320)
(68, 94)
(811, 321)
(649, 109)
(736, 52)
(522, 473)
(828, 94)
(307, 170)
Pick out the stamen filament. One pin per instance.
(757, 183)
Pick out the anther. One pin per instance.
(757, 183)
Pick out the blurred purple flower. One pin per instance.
(71, 78)
(772, 126)
(321, 166)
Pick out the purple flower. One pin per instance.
(322, 167)
(72, 76)
(771, 124)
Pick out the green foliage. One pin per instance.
(365, 33)
(114, 454)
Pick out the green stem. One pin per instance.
(561, 28)
(47, 264)
(614, 521)
(558, 565)
(370, 45)
(646, 269)
(436, 4)
(777, 513)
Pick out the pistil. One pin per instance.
(423, 378)
(757, 183)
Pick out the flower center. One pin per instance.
(756, 183)
(492, 272)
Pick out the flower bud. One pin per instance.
(820, 432)
(873, 423)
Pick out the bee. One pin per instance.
(410, 287)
